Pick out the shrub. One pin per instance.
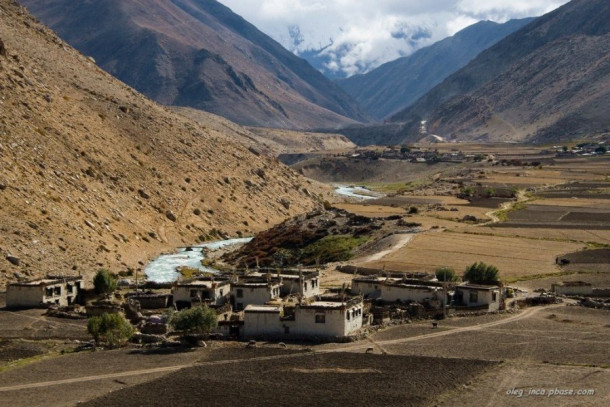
(331, 248)
(481, 273)
(110, 328)
(194, 320)
(104, 282)
(446, 274)
(413, 209)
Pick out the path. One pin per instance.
(402, 241)
(506, 206)
(347, 348)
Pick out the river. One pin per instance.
(355, 192)
(163, 268)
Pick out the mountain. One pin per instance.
(548, 81)
(198, 53)
(94, 174)
(395, 85)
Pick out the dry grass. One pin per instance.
(569, 235)
(513, 256)
(373, 211)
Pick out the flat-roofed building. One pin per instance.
(403, 291)
(208, 290)
(475, 295)
(51, 290)
(256, 291)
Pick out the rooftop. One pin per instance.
(478, 286)
(263, 308)
(50, 280)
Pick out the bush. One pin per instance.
(481, 273)
(195, 320)
(104, 282)
(110, 328)
(331, 248)
(413, 209)
(446, 274)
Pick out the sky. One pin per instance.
(355, 36)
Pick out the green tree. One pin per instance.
(196, 320)
(104, 282)
(481, 273)
(112, 329)
(601, 150)
(446, 274)
(405, 150)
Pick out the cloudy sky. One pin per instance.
(353, 36)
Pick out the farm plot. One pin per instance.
(514, 257)
(562, 335)
(340, 379)
(532, 232)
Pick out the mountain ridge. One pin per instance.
(393, 86)
(205, 57)
(589, 18)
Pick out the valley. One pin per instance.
(254, 240)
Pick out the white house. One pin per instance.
(209, 290)
(305, 284)
(369, 287)
(326, 319)
(474, 295)
(259, 292)
(263, 321)
(51, 290)
(393, 291)
(319, 319)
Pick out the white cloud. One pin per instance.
(360, 35)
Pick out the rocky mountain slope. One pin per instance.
(395, 85)
(198, 53)
(545, 82)
(272, 142)
(93, 174)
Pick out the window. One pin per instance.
(57, 290)
(474, 296)
(221, 291)
(48, 292)
(320, 318)
(239, 306)
(193, 293)
(239, 293)
(494, 296)
(347, 315)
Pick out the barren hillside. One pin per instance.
(93, 174)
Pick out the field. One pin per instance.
(513, 256)
(564, 207)
(338, 379)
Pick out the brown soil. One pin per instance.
(331, 379)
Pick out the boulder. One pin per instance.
(15, 261)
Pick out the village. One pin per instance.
(281, 304)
